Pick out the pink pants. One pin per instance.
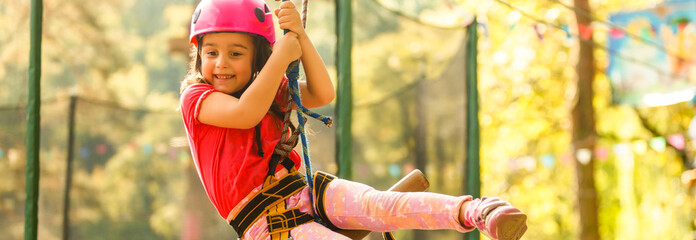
(352, 205)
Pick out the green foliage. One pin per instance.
(115, 56)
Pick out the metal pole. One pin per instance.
(31, 208)
(69, 168)
(473, 170)
(344, 100)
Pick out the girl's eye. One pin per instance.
(212, 53)
(236, 54)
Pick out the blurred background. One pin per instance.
(583, 113)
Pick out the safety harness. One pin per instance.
(271, 200)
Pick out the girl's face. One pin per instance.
(226, 60)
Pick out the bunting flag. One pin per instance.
(583, 155)
(616, 33)
(101, 149)
(567, 158)
(681, 26)
(622, 149)
(602, 153)
(84, 152)
(147, 148)
(566, 29)
(172, 153)
(585, 31)
(676, 140)
(547, 160)
(647, 34)
(538, 32)
(658, 144)
(395, 170)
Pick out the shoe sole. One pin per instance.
(511, 226)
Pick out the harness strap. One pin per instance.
(270, 195)
(321, 182)
(286, 220)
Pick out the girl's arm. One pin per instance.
(318, 90)
(222, 110)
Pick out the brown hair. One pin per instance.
(262, 51)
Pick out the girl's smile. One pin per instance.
(226, 60)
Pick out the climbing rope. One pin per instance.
(288, 142)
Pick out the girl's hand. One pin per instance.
(289, 18)
(288, 47)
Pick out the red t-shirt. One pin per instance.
(227, 159)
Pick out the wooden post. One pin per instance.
(584, 133)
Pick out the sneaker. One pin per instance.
(495, 218)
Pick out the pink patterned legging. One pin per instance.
(352, 205)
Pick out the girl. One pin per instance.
(232, 103)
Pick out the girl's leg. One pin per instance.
(351, 205)
(315, 231)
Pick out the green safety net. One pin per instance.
(127, 172)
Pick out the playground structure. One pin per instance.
(91, 151)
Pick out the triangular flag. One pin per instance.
(602, 153)
(547, 160)
(676, 140)
(616, 33)
(583, 155)
(681, 26)
(84, 152)
(585, 31)
(565, 29)
(395, 170)
(658, 144)
(538, 32)
(172, 153)
(101, 149)
(622, 149)
(645, 34)
(147, 148)
(567, 158)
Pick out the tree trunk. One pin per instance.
(583, 137)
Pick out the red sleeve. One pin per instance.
(191, 100)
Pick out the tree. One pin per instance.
(584, 133)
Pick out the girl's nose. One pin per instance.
(222, 63)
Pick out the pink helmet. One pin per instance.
(250, 16)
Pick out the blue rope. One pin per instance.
(292, 74)
(294, 88)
